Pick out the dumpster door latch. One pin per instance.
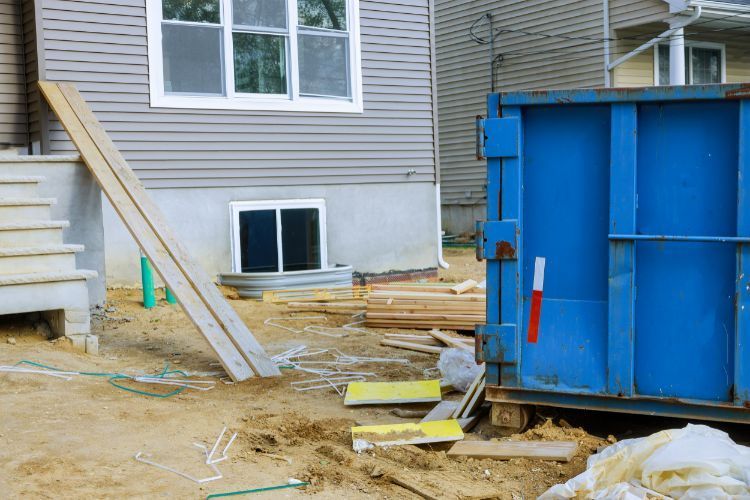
(497, 137)
(497, 240)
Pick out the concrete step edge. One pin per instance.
(21, 202)
(20, 179)
(40, 250)
(42, 224)
(30, 278)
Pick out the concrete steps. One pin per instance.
(19, 185)
(25, 209)
(31, 233)
(37, 269)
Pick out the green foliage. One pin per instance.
(330, 14)
(198, 11)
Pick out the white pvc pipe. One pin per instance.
(439, 215)
(676, 26)
(677, 57)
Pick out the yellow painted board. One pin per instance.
(369, 393)
(437, 431)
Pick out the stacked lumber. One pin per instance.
(330, 294)
(448, 306)
(434, 343)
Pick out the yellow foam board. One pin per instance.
(368, 393)
(436, 431)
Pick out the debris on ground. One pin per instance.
(694, 462)
(426, 306)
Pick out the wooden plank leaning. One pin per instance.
(233, 343)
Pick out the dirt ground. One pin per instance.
(77, 438)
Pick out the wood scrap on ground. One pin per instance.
(466, 286)
(438, 431)
(473, 398)
(368, 393)
(317, 294)
(432, 344)
(561, 451)
(425, 307)
(426, 339)
(328, 307)
(412, 347)
(442, 411)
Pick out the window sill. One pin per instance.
(310, 105)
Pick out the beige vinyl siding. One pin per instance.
(100, 45)
(31, 62)
(464, 72)
(12, 76)
(639, 70)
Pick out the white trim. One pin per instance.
(235, 207)
(250, 102)
(690, 44)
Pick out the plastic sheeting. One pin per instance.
(458, 367)
(696, 462)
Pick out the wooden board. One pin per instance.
(438, 431)
(412, 347)
(317, 294)
(442, 411)
(451, 341)
(236, 348)
(464, 287)
(369, 393)
(475, 402)
(464, 297)
(561, 451)
(470, 393)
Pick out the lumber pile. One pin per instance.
(449, 306)
(434, 343)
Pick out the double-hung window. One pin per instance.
(286, 55)
(704, 63)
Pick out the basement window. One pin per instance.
(705, 62)
(278, 236)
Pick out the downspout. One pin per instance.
(605, 13)
(674, 27)
(435, 138)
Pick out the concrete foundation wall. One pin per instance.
(459, 219)
(373, 227)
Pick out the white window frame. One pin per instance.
(688, 62)
(236, 207)
(255, 102)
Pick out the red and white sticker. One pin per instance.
(536, 300)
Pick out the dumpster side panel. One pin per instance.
(565, 218)
(687, 186)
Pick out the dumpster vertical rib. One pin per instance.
(511, 271)
(622, 219)
(742, 302)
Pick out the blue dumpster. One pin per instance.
(617, 243)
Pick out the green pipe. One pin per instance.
(147, 279)
(256, 490)
(170, 298)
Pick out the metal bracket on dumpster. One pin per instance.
(496, 344)
(497, 240)
(497, 137)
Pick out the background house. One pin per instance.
(535, 44)
(316, 114)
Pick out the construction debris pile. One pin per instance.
(424, 306)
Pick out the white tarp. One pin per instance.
(696, 462)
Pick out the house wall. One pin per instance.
(218, 156)
(530, 62)
(372, 227)
(12, 87)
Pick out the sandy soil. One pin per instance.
(78, 438)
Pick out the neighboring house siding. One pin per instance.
(12, 88)
(639, 70)
(464, 72)
(100, 45)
